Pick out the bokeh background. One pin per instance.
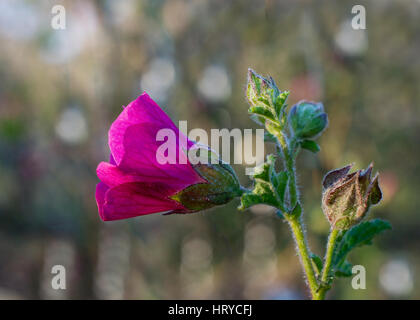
(61, 89)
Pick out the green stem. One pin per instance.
(327, 263)
(290, 167)
(296, 223)
(299, 235)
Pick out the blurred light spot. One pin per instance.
(113, 264)
(262, 209)
(72, 127)
(214, 85)
(396, 278)
(196, 272)
(306, 87)
(196, 254)
(159, 78)
(121, 10)
(351, 42)
(160, 43)
(64, 45)
(259, 260)
(18, 19)
(259, 240)
(176, 16)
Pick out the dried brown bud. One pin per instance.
(346, 198)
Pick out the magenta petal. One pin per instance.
(134, 182)
(140, 157)
(112, 176)
(101, 189)
(141, 110)
(112, 160)
(135, 199)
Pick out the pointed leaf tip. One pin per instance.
(374, 191)
(310, 145)
(333, 176)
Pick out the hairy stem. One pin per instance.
(296, 223)
(297, 229)
(289, 162)
(327, 264)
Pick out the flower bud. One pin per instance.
(307, 119)
(260, 90)
(346, 198)
(220, 187)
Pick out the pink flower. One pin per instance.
(135, 183)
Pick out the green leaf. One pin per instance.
(282, 97)
(317, 263)
(266, 172)
(255, 83)
(257, 119)
(261, 194)
(344, 269)
(310, 145)
(263, 171)
(261, 91)
(359, 235)
(280, 184)
(280, 103)
(264, 100)
(268, 137)
(248, 200)
(263, 191)
(262, 112)
(296, 211)
(274, 128)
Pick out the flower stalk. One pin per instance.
(346, 197)
(296, 223)
(320, 295)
